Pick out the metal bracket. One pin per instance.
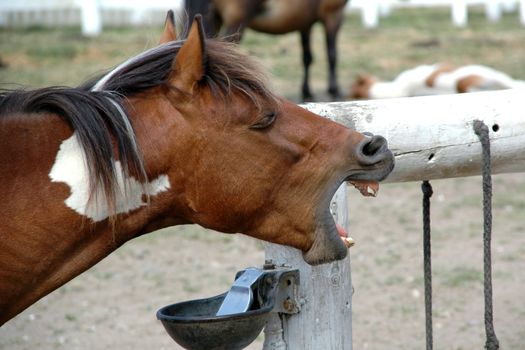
(240, 296)
(277, 286)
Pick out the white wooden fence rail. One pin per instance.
(432, 138)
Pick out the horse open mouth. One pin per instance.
(367, 189)
(331, 240)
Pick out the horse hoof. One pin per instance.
(308, 97)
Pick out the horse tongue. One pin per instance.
(341, 231)
(367, 188)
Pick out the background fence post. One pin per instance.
(91, 17)
(493, 10)
(522, 12)
(370, 14)
(459, 13)
(325, 319)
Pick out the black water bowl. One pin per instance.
(194, 326)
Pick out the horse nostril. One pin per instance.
(371, 149)
(374, 145)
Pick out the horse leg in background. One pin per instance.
(216, 22)
(207, 9)
(332, 25)
(307, 61)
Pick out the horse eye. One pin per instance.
(265, 121)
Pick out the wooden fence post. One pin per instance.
(325, 319)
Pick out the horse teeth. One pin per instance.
(348, 241)
(370, 190)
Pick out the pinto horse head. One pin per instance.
(254, 163)
(186, 132)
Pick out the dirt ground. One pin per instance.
(113, 305)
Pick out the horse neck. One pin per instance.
(155, 131)
(78, 241)
(29, 231)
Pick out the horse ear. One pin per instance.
(170, 31)
(188, 66)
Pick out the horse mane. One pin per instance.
(96, 109)
(226, 71)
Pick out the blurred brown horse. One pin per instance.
(277, 17)
(186, 132)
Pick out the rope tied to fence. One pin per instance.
(482, 131)
(427, 262)
(491, 342)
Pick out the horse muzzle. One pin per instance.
(374, 158)
(374, 162)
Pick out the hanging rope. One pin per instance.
(482, 131)
(427, 265)
(491, 342)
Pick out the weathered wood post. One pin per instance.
(432, 138)
(325, 295)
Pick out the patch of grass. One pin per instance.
(460, 276)
(388, 259)
(190, 287)
(197, 233)
(57, 52)
(511, 257)
(394, 280)
(403, 309)
(70, 317)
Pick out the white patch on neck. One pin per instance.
(70, 167)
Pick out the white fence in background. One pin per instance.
(90, 14)
(373, 10)
(93, 14)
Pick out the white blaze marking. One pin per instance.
(70, 167)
